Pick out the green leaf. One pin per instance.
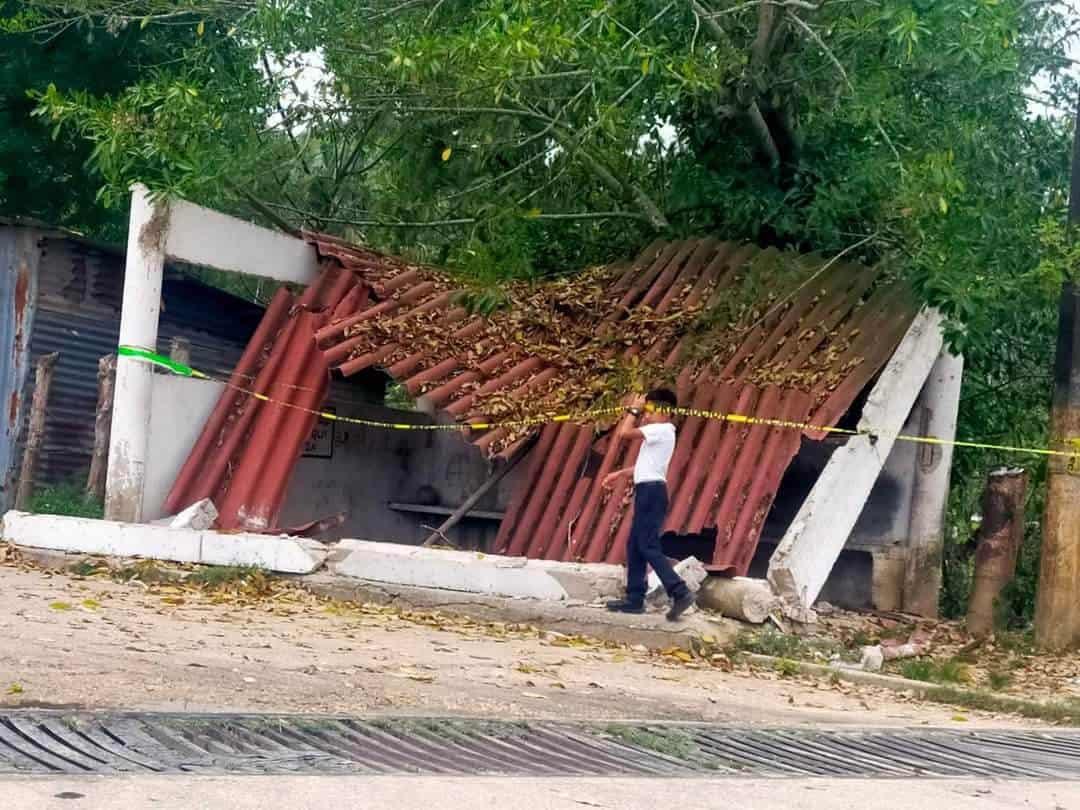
(60, 605)
(201, 28)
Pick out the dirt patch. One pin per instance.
(253, 643)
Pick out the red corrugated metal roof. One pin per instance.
(247, 450)
(734, 327)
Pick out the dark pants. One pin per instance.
(643, 547)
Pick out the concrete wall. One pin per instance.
(181, 407)
(370, 468)
(345, 468)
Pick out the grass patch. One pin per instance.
(1065, 712)
(787, 668)
(999, 680)
(782, 645)
(672, 742)
(68, 500)
(922, 669)
(1019, 642)
(214, 576)
(86, 568)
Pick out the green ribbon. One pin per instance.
(158, 360)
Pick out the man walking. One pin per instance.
(657, 433)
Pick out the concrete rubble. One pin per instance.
(693, 572)
(199, 516)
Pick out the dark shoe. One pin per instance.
(624, 606)
(679, 606)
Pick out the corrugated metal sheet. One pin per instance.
(790, 337)
(245, 455)
(18, 294)
(802, 351)
(78, 315)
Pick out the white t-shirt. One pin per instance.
(655, 453)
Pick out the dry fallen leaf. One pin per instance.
(60, 605)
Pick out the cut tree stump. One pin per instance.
(99, 459)
(1000, 536)
(43, 375)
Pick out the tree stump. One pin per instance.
(43, 375)
(1000, 537)
(99, 460)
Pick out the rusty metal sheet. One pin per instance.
(806, 352)
(248, 448)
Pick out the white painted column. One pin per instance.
(940, 405)
(810, 547)
(143, 271)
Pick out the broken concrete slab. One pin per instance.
(199, 516)
(474, 572)
(693, 573)
(290, 555)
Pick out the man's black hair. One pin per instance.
(664, 397)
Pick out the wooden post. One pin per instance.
(42, 382)
(1057, 608)
(180, 350)
(470, 502)
(99, 460)
(1000, 537)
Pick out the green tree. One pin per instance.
(514, 138)
(42, 175)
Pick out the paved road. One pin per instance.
(474, 793)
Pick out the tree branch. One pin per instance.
(438, 223)
(843, 73)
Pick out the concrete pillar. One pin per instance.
(147, 232)
(813, 542)
(938, 405)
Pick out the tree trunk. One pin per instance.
(42, 382)
(1000, 536)
(742, 598)
(1057, 607)
(99, 460)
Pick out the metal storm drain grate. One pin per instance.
(40, 742)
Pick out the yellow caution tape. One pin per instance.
(599, 413)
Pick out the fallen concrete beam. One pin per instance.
(473, 572)
(810, 547)
(742, 598)
(289, 555)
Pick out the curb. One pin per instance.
(936, 693)
(651, 630)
